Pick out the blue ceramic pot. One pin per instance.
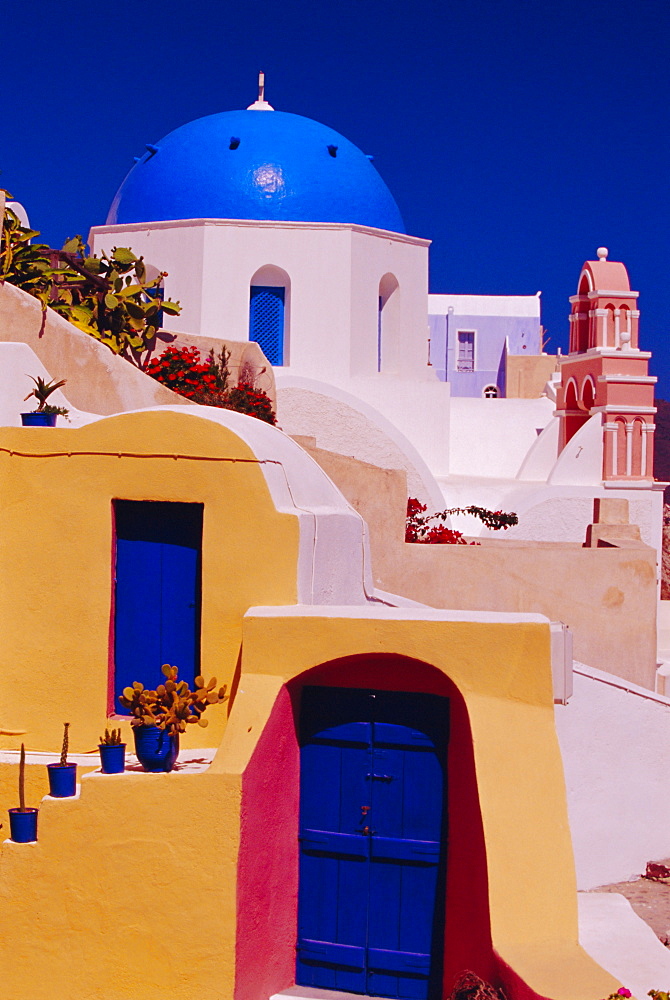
(156, 749)
(112, 757)
(62, 780)
(38, 419)
(23, 825)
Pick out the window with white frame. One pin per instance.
(490, 392)
(465, 362)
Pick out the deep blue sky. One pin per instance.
(518, 135)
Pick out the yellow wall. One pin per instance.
(56, 490)
(503, 673)
(132, 887)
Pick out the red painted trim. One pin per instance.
(267, 871)
(111, 708)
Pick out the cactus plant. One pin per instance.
(173, 705)
(22, 779)
(23, 821)
(66, 743)
(63, 776)
(111, 739)
(112, 752)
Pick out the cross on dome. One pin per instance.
(260, 104)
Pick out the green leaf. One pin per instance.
(130, 290)
(123, 256)
(170, 307)
(135, 310)
(111, 301)
(71, 245)
(81, 314)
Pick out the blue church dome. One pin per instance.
(255, 164)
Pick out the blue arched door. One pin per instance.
(372, 842)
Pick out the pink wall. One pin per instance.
(267, 874)
(268, 862)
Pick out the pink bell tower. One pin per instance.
(606, 372)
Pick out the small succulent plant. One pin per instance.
(111, 738)
(42, 391)
(173, 705)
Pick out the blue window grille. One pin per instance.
(266, 321)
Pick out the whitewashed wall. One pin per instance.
(615, 741)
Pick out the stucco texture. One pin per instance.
(98, 380)
(93, 910)
(501, 670)
(56, 556)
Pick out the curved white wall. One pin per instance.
(615, 741)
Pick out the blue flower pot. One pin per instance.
(156, 749)
(62, 780)
(23, 825)
(38, 419)
(112, 757)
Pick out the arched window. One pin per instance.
(622, 467)
(269, 309)
(625, 326)
(609, 326)
(388, 324)
(588, 394)
(575, 417)
(638, 449)
(581, 310)
(491, 392)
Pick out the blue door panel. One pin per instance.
(372, 844)
(157, 591)
(398, 961)
(137, 619)
(179, 615)
(397, 849)
(333, 862)
(335, 954)
(323, 841)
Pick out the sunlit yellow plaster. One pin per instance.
(503, 673)
(56, 491)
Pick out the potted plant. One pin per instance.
(158, 717)
(45, 415)
(63, 776)
(112, 752)
(23, 821)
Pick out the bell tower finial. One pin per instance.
(260, 104)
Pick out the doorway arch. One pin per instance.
(269, 856)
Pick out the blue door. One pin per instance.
(157, 592)
(372, 844)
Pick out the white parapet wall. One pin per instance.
(615, 741)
